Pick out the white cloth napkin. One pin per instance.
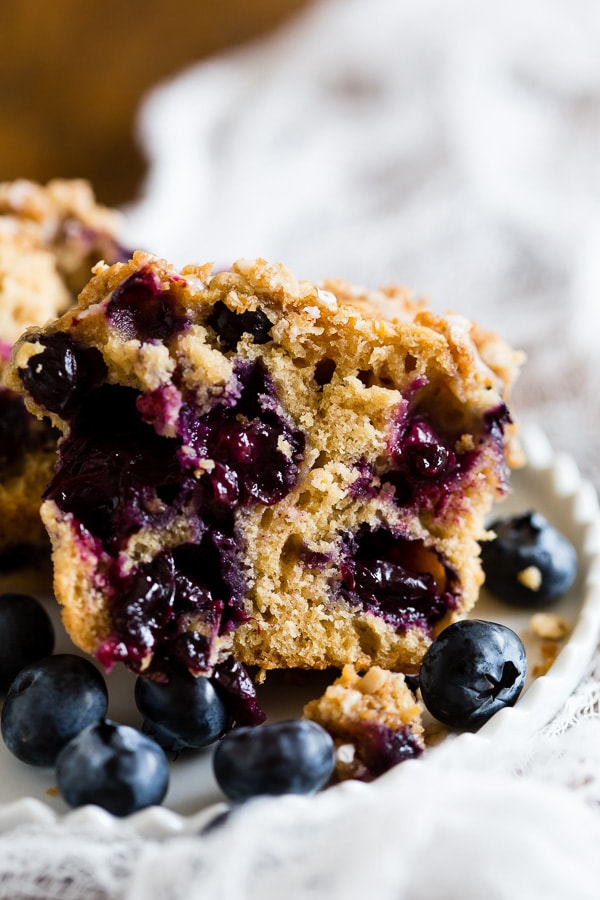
(452, 146)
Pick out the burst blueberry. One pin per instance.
(293, 757)
(112, 766)
(472, 670)
(26, 635)
(529, 562)
(394, 578)
(230, 326)
(48, 703)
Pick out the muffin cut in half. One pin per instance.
(264, 470)
(50, 237)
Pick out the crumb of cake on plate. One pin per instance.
(50, 237)
(374, 720)
(265, 470)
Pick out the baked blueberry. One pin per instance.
(293, 757)
(48, 703)
(529, 562)
(230, 326)
(472, 670)
(398, 579)
(112, 766)
(140, 309)
(185, 711)
(26, 635)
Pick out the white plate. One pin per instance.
(551, 484)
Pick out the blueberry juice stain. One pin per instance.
(390, 574)
(428, 461)
(401, 580)
(118, 473)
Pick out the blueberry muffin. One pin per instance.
(263, 470)
(49, 239)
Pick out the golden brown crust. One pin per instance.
(372, 365)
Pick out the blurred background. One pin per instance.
(72, 76)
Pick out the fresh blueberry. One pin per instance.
(472, 670)
(48, 703)
(186, 711)
(293, 757)
(26, 635)
(112, 766)
(529, 562)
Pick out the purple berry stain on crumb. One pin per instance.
(426, 466)
(379, 747)
(366, 483)
(398, 579)
(160, 408)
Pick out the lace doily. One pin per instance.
(453, 147)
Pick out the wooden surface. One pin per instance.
(72, 73)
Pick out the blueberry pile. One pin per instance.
(55, 705)
(55, 715)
